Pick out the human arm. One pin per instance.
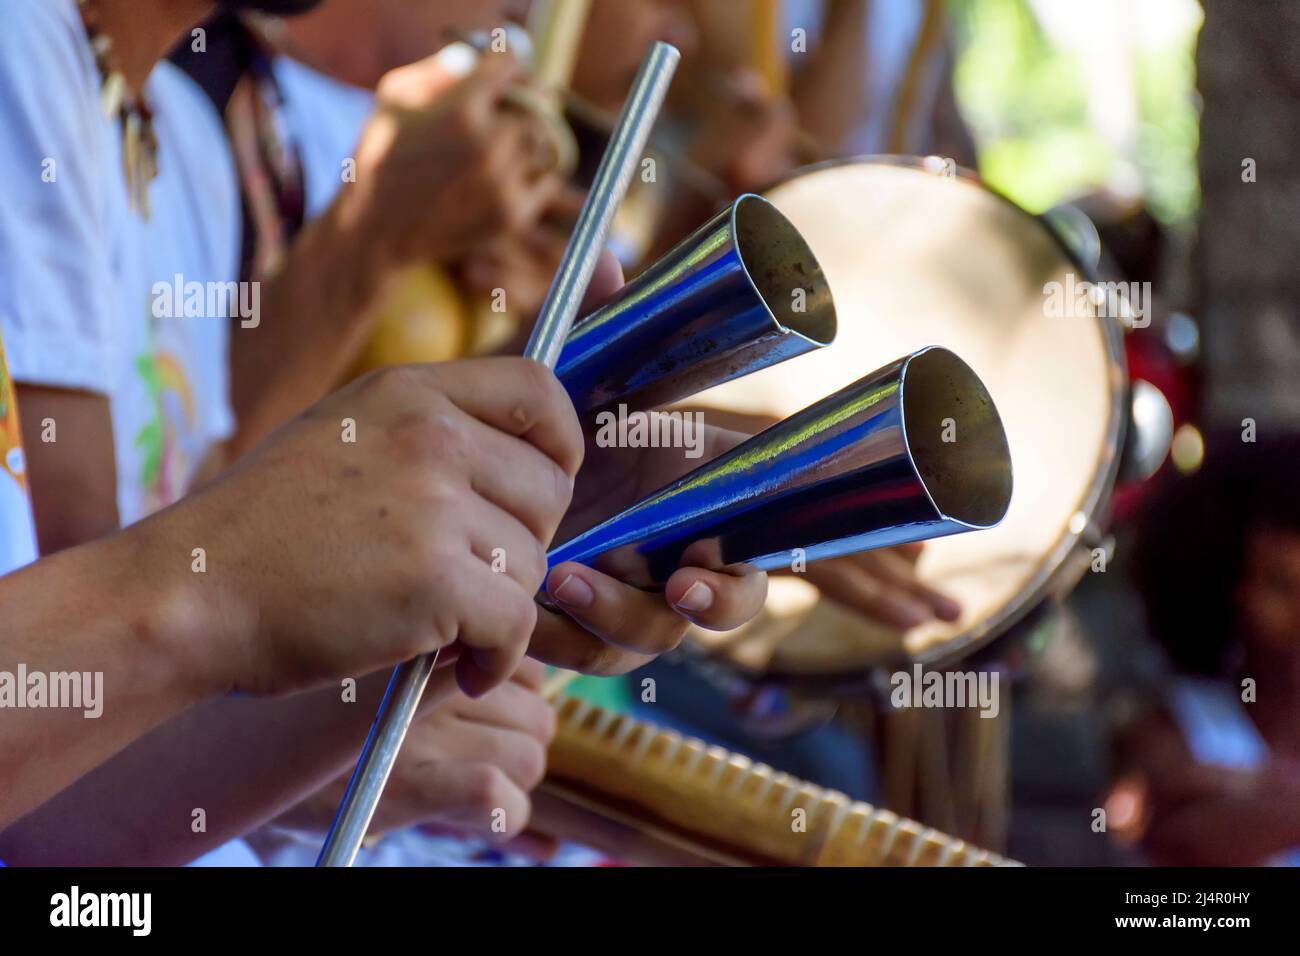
(284, 601)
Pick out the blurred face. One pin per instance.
(358, 41)
(1268, 596)
(618, 34)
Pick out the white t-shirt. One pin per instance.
(79, 269)
(325, 118)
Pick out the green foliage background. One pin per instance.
(1025, 98)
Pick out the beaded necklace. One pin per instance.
(139, 141)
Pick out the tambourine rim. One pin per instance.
(1054, 567)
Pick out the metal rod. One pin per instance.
(622, 155)
(396, 711)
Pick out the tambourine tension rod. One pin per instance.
(401, 699)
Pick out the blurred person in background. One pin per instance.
(1210, 773)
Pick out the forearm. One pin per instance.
(207, 777)
(127, 638)
(243, 762)
(1220, 833)
(315, 315)
(829, 92)
(73, 480)
(313, 813)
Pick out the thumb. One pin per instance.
(418, 85)
(421, 84)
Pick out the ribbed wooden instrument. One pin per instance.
(653, 796)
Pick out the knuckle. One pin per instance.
(487, 787)
(439, 579)
(438, 436)
(521, 619)
(389, 380)
(445, 627)
(659, 635)
(594, 657)
(530, 671)
(538, 385)
(538, 566)
(399, 384)
(449, 432)
(523, 816)
(670, 637)
(532, 763)
(528, 565)
(561, 493)
(412, 642)
(546, 726)
(409, 437)
(551, 403)
(524, 381)
(572, 444)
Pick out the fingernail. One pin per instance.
(698, 597)
(574, 592)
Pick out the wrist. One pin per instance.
(186, 628)
(350, 246)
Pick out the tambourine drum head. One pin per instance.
(915, 258)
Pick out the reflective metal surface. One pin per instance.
(917, 258)
(623, 152)
(913, 451)
(1150, 434)
(743, 292)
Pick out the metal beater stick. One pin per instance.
(617, 167)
